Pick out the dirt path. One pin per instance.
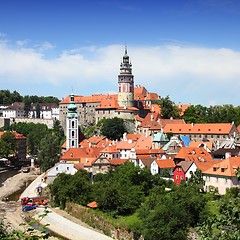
(59, 221)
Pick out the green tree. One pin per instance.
(195, 114)
(168, 215)
(27, 105)
(49, 151)
(38, 110)
(7, 144)
(225, 224)
(196, 180)
(113, 128)
(168, 108)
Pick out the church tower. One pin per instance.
(72, 125)
(125, 83)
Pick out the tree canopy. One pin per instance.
(7, 144)
(226, 223)
(112, 128)
(168, 108)
(213, 114)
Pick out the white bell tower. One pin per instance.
(72, 125)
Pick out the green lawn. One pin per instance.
(128, 220)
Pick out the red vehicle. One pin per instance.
(34, 201)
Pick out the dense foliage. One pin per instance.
(168, 215)
(168, 108)
(7, 144)
(42, 143)
(226, 223)
(112, 128)
(128, 189)
(7, 97)
(73, 188)
(212, 114)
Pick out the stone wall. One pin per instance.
(99, 222)
(48, 122)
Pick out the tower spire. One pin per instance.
(125, 82)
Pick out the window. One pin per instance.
(72, 133)
(67, 168)
(73, 124)
(177, 177)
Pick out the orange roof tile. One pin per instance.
(144, 143)
(108, 103)
(168, 163)
(188, 152)
(183, 107)
(16, 134)
(199, 128)
(133, 136)
(86, 99)
(110, 149)
(225, 167)
(92, 205)
(117, 161)
(125, 145)
(200, 144)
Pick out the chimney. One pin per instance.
(228, 155)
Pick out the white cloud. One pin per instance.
(189, 74)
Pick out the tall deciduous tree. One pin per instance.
(7, 144)
(168, 108)
(113, 128)
(49, 151)
(226, 224)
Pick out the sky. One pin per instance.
(188, 50)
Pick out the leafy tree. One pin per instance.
(112, 128)
(196, 180)
(168, 108)
(75, 188)
(226, 224)
(38, 110)
(168, 215)
(7, 144)
(58, 130)
(195, 114)
(27, 105)
(49, 151)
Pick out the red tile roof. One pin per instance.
(117, 161)
(144, 143)
(16, 134)
(168, 163)
(93, 205)
(225, 167)
(199, 156)
(199, 128)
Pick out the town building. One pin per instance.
(127, 103)
(213, 132)
(21, 146)
(222, 175)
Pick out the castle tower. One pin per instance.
(125, 83)
(72, 125)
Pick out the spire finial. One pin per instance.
(125, 49)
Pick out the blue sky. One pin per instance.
(187, 49)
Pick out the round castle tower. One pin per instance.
(125, 83)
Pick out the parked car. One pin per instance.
(28, 208)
